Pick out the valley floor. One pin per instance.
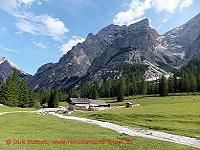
(173, 114)
(31, 126)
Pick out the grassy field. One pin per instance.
(9, 109)
(37, 127)
(64, 104)
(172, 114)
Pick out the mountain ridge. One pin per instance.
(115, 45)
(7, 67)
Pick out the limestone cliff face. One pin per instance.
(115, 45)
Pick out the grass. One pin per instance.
(36, 127)
(9, 109)
(172, 114)
(64, 104)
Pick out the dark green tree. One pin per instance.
(186, 82)
(24, 96)
(143, 86)
(12, 89)
(133, 87)
(171, 84)
(107, 87)
(176, 83)
(95, 90)
(53, 99)
(193, 82)
(163, 86)
(121, 89)
(198, 82)
(127, 87)
(3, 94)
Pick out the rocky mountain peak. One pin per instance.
(2, 59)
(90, 36)
(115, 45)
(144, 23)
(5, 60)
(7, 67)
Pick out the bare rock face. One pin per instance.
(131, 44)
(73, 64)
(175, 45)
(115, 45)
(7, 68)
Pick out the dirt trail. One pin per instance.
(128, 130)
(138, 132)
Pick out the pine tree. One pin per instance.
(15, 92)
(127, 87)
(193, 82)
(95, 90)
(144, 87)
(171, 84)
(163, 86)
(133, 87)
(107, 88)
(12, 89)
(44, 95)
(149, 88)
(32, 98)
(186, 82)
(53, 99)
(85, 90)
(182, 83)
(121, 90)
(156, 87)
(198, 82)
(176, 83)
(3, 94)
(24, 96)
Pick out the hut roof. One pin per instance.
(87, 101)
(79, 101)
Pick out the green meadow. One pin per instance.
(172, 114)
(32, 126)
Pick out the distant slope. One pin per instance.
(113, 46)
(7, 67)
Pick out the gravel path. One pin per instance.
(128, 130)
(138, 132)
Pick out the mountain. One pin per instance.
(7, 68)
(177, 45)
(107, 54)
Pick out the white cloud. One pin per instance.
(72, 42)
(135, 11)
(8, 49)
(39, 44)
(185, 4)
(31, 23)
(137, 8)
(42, 25)
(9, 6)
(26, 2)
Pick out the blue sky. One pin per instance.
(35, 32)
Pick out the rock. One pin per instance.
(7, 67)
(115, 45)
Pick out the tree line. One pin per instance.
(15, 92)
(119, 88)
